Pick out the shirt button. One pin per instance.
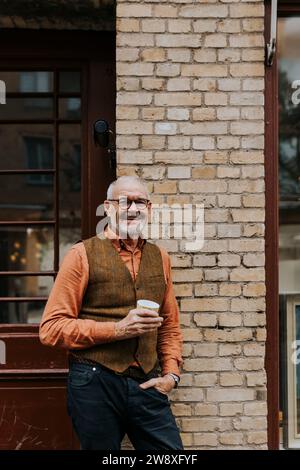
(94, 368)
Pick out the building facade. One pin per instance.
(204, 118)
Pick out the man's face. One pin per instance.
(129, 210)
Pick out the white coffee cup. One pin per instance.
(143, 303)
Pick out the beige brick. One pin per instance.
(255, 379)
(127, 142)
(205, 424)
(247, 274)
(229, 55)
(229, 26)
(205, 319)
(228, 113)
(205, 26)
(207, 439)
(187, 439)
(153, 25)
(179, 55)
(153, 114)
(178, 157)
(231, 200)
(227, 142)
(255, 349)
(230, 394)
(231, 409)
(204, 114)
(248, 305)
(253, 24)
(204, 11)
(183, 290)
(134, 98)
(180, 409)
(205, 55)
(231, 336)
(257, 437)
(153, 84)
(153, 142)
(230, 290)
(165, 11)
(188, 394)
(205, 380)
(208, 364)
(205, 350)
(255, 409)
(167, 70)
(134, 127)
(215, 40)
(245, 423)
(203, 143)
(254, 289)
(216, 275)
(216, 99)
(187, 275)
(178, 99)
(231, 438)
(135, 40)
(200, 186)
(178, 40)
(255, 319)
(179, 26)
(242, 157)
(134, 10)
(127, 25)
(165, 128)
(229, 319)
(153, 55)
(153, 172)
(246, 10)
(205, 305)
(204, 260)
(231, 379)
(204, 409)
(205, 84)
(230, 349)
(210, 70)
(178, 84)
(127, 54)
(228, 260)
(204, 290)
(249, 363)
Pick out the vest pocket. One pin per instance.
(80, 378)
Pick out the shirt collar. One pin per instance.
(120, 243)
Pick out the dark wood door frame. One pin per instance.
(285, 8)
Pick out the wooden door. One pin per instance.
(52, 178)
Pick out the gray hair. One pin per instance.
(129, 180)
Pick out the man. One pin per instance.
(124, 360)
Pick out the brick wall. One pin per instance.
(190, 120)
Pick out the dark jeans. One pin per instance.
(104, 407)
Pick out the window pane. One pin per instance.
(17, 145)
(69, 108)
(70, 185)
(28, 81)
(27, 108)
(26, 197)
(26, 249)
(25, 286)
(21, 312)
(69, 82)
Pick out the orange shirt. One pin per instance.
(61, 327)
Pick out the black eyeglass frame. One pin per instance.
(130, 201)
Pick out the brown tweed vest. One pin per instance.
(111, 293)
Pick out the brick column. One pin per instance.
(190, 120)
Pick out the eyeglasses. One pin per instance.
(125, 203)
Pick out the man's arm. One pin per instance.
(169, 334)
(60, 325)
